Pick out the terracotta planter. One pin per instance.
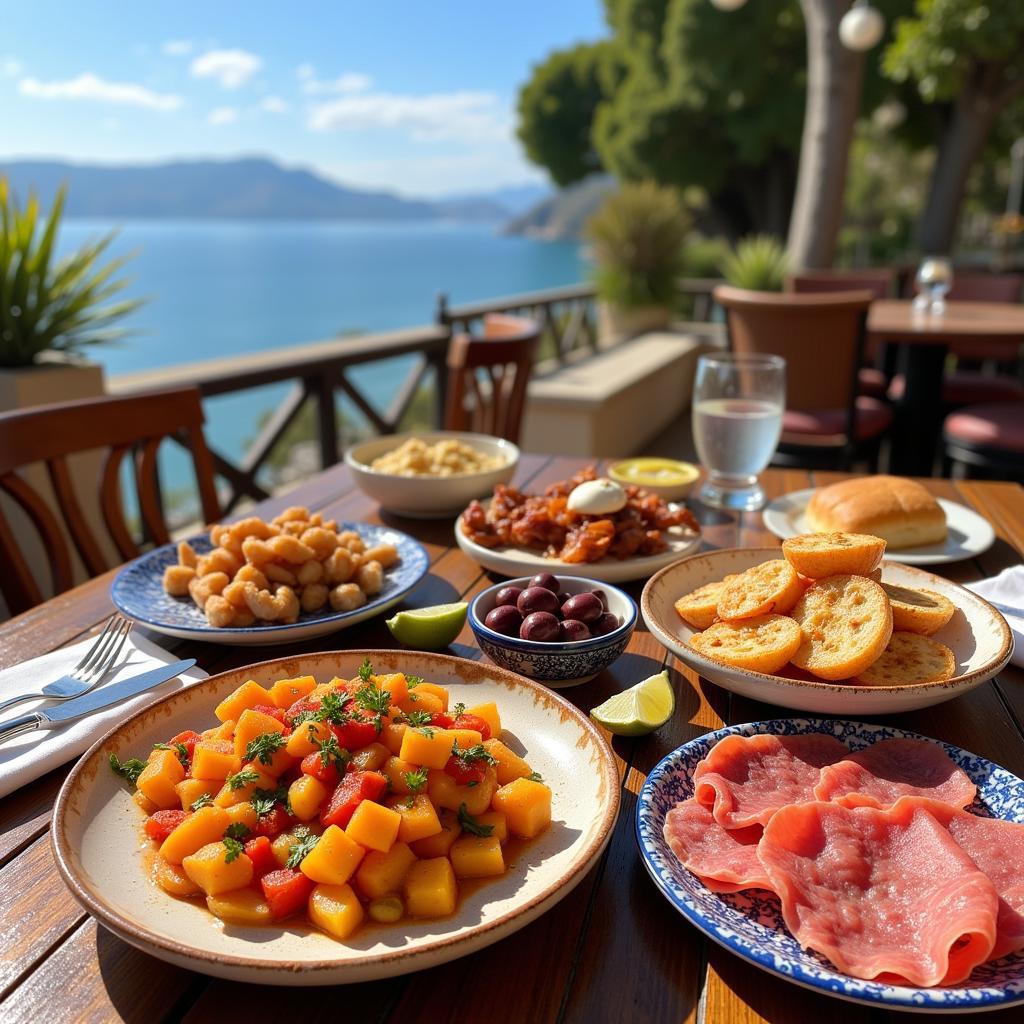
(616, 324)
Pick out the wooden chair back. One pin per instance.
(487, 376)
(49, 434)
(821, 337)
(881, 282)
(981, 286)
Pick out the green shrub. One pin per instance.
(758, 263)
(49, 305)
(637, 239)
(702, 256)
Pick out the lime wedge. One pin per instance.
(640, 709)
(430, 629)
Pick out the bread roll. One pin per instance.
(899, 511)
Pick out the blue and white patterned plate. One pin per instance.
(138, 592)
(749, 923)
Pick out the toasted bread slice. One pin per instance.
(846, 622)
(699, 608)
(771, 587)
(762, 644)
(918, 611)
(833, 554)
(910, 658)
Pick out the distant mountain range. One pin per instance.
(563, 215)
(245, 188)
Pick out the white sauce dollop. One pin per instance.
(599, 497)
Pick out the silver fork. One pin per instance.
(87, 674)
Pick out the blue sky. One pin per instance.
(410, 96)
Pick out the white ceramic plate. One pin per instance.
(967, 533)
(430, 497)
(977, 635)
(520, 562)
(96, 834)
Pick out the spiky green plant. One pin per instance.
(758, 262)
(50, 305)
(637, 239)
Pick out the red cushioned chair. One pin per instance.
(987, 438)
(821, 337)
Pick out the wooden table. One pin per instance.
(925, 340)
(613, 950)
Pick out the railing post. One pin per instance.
(327, 417)
(442, 311)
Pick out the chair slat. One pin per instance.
(85, 543)
(110, 502)
(47, 526)
(147, 478)
(21, 591)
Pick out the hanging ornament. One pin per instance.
(862, 27)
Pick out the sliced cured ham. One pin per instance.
(888, 770)
(725, 860)
(884, 894)
(744, 780)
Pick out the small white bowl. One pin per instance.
(429, 497)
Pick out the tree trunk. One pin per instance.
(834, 76)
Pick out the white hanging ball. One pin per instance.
(728, 5)
(861, 28)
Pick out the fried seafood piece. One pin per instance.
(589, 542)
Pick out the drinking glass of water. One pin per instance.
(934, 279)
(738, 402)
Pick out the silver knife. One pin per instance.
(96, 700)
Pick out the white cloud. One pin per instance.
(232, 68)
(177, 47)
(274, 105)
(222, 115)
(346, 84)
(9, 67)
(88, 86)
(458, 116)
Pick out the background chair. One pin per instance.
(821, 337)
(987, 439)
(48, 434)
(487, 376)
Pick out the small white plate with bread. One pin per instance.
(918, 528)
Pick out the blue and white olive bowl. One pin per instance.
(750, 924)
(557, 665)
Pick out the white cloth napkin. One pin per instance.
(1007, 589)
(26, 757)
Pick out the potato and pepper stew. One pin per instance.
(357, 798)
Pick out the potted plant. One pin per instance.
(52, 309)
(758, 263)
(637, 241)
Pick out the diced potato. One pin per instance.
(147, 805)
(285, 692)
(250, 725)
(171, 878)
(228, 797)
(334, 859)
(395, 769)
(374, 826)
(248, 695)
(335, 909)
(392, 735)
(204, 826)
(395, 684)
(510, 765)
(383, 873)
(426, 701)
(477, 857)
(446, 792)
(242, 814)
(306, 794)
(489, 713)
(278, 764)
(190, 790)
(159, 778)
(419, 818)
(214, 759)
(430, 888)
(224, 731)
(300, 743)
(241, 906)
(466, 738)
(498, 823)
(428, 747)
(439, 845)
(386, 910)
(213, 873)
(438, 692)
(527, 806)
(281, 846)
(371, 758)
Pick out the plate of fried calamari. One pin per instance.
(586, 526)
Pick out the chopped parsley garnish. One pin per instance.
(413, 681)
(237, 830)
(129, 770)
(297, 852)
(370, 697)
(332, 709)
(264, 746)
(417, 718)
(263, 800)
(180, 748)
(365, 670)
(471, 825)
(234, 848)
(203, 801)
(332, 753)
(242, 779)
(427, 731)
(535, 777)
(471, 754)
(459, 709)
(415, 780)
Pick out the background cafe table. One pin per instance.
(925, 339)
(613, 950)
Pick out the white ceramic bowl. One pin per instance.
(429, 497)
(96, 834)
(977, 635)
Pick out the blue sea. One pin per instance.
(219, 288)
